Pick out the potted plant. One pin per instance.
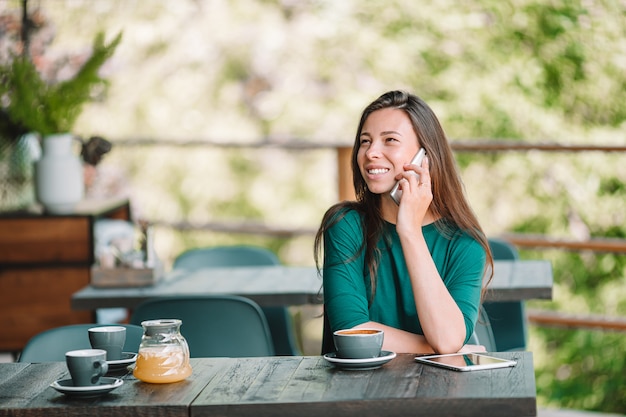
(30, 104)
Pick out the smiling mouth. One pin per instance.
(377, 171)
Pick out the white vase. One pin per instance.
(59, 179)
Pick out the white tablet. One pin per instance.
(466, 361)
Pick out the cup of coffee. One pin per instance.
(358, 343)
(86, 366)
(109, 338)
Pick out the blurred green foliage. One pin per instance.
(583, 368)
(248, 70)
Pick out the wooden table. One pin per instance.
(290, 386)
(291, 285)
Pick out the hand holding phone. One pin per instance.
(396, 192)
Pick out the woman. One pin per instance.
(413, 269)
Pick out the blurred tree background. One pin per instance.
(300, 71)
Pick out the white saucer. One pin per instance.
(67, 387)
(360, 364)
(128, 358)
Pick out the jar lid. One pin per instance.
(157, 326)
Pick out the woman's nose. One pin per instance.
(373, 151)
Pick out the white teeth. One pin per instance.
(377, 171)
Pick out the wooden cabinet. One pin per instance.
(44, 259)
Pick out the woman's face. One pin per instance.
(387, 142)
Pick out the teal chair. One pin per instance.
(220, 256)
(214, 326)
(483, 333)
(51, 345)
(278, 317)
(507, 319)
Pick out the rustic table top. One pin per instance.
(293, 285)
(275, 386)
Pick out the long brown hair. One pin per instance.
(449, 203)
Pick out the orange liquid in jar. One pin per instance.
(161, 365)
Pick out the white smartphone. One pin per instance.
(466, 361)
(396, 192)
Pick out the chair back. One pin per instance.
(328, 344)
(502, 250)
(51, 345)
(483, 333)
(278, 317)
(219, 256)
(214, 326)
(508, 318)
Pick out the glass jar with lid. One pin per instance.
(163, 355)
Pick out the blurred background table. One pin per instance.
(293, 285)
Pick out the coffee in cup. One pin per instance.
(358, 343)
(86, 366)
(109, 338)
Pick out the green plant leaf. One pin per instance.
(37, 106)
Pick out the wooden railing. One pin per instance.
(343, 150)
(295, 143)
(575, 321)
(540, 241)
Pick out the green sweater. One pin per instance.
(460, 261)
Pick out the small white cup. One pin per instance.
(109, 338)
(86, 366)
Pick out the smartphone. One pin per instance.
(396, 192)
